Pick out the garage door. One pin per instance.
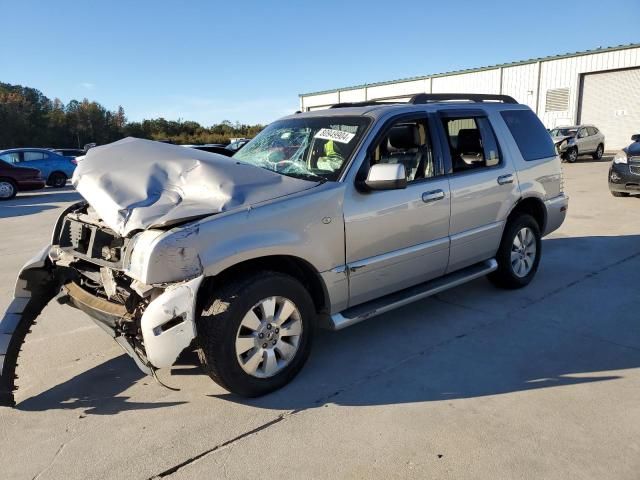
(611, 102)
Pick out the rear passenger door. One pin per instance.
(37, 159)
(483, 186)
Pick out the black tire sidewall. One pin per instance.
(597, 155)
(504, 275)
(55, 177)
(268, 284)
(573, 149)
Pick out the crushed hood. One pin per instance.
(135, 184)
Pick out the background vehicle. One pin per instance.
(14, 179)
(326, 218)
(213, 148)
(237, 144)
(578, 140)
(55, 168)
(624, 173)
(69, 152)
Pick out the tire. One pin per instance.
(572, 155)
(222, 325)
(597, 155)
(57, 180)
(620, 194)
(509, 275)
(8, 189)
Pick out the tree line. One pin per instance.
(30, 119)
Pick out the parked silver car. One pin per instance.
(326, 218)
(578, 140)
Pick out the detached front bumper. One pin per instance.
(624, 177)
(164, 322)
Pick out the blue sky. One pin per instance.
(248, 60)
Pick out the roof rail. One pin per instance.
(368, 103)
(473, 97)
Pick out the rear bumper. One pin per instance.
(26, 185)
(556, 212)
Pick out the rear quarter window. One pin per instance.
(533, 140)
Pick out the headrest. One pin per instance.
(403, 137)
(469, 140)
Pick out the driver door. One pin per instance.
(398, 238)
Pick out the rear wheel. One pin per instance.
(597, 155)
(8, 189)
(620, 194)
(57, 180)
(255, 334)
(519, 253)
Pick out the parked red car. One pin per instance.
(14, 179)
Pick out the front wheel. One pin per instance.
(572, 155)
(519, 253)
(255, 334)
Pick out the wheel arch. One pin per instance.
(291, 265)
(533, 206)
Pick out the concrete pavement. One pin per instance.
(477, 382)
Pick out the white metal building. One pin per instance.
(600, 86)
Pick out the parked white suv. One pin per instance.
(326, 218)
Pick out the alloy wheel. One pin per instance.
(268, 337)
(523, 252)
(6, 189)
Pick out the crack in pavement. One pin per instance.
(57, 454)
(377, 373)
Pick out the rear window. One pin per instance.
(532, 138)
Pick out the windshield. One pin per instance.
(564, 132)
(316, 148)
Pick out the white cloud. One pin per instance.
(88, 85)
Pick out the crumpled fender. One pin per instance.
(35, 287)
(168, 323)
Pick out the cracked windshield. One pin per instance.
(314, 149)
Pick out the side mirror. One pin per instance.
(386, 176)
(635, 138)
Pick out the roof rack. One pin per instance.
(474, 97)
(368, 103)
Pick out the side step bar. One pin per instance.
(399, 299)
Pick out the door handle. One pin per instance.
(504, 179)
(432, 196)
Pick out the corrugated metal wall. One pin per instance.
(527, 82)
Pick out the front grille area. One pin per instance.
(634, 165)
(90, 242)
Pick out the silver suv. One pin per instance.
(326, 218)
(578, 140)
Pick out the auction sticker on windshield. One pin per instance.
(335, 135)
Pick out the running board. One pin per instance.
(399, 299)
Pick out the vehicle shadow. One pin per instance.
(557, 332)
(30, 203)
(97, 391)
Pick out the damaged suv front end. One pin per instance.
(125, 256)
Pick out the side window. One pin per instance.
(592, 130)
(13, 157)
(31, 156)
(471, 142)
(407, 142)
(582, 133)
(533, 140)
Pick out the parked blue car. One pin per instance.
(55, 168)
